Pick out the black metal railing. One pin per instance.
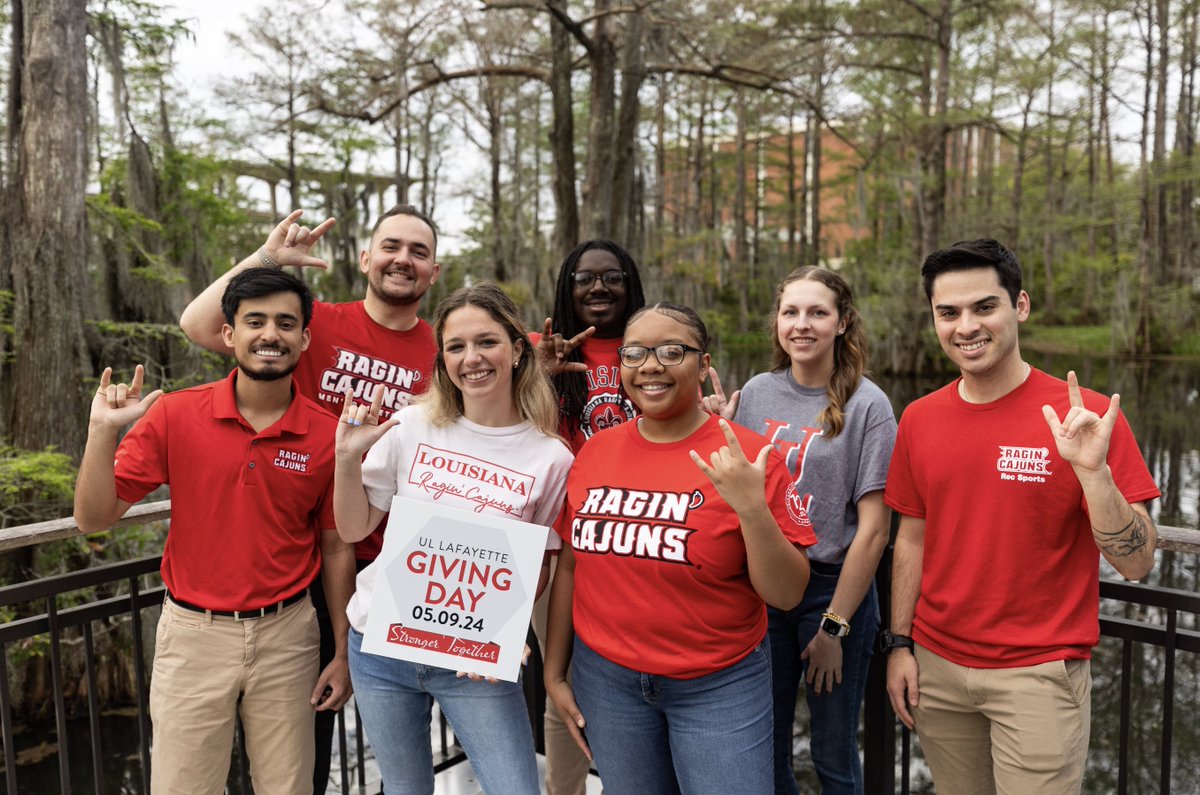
(77, 622)
(888, 748)
(124, 591)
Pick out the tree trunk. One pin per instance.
(598, 184)
(1140, 343)
(1161, 244)
(933, 156)
(46, 241)
(1051, 199)
(633, 71)
(791, 185)
(1185, 144)
(562, 137)
(495, 130)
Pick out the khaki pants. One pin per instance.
(203, 664)
(1012, 731)
(566, 766)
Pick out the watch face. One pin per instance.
(832, 627)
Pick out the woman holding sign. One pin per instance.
(483, 439)
(680, 527)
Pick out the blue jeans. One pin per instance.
(654, 735)
(395, 699)
(834, 716)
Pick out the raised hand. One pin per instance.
(1082, 436)
(358, 427)
(740, 481)
(552, 350)
(716, 403)
(117, 405)
(289, 243)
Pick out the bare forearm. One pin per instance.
(907, 562)
(779, 570)
(202, 319)
(337, 576)
(350, 506)
(560, 625)
(862, 558)
(96, 502)
(1124, 532)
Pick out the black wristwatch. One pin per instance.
(889, 641)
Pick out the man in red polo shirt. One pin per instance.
(359, 345)
(250, 465)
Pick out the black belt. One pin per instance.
(243, 615)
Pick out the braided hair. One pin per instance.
(572, 387)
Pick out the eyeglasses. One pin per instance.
(608, 278)
(668, 355)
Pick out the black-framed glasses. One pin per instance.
(608, 278)
(668, 354)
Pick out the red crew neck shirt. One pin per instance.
(661, 579)
(1010, 575)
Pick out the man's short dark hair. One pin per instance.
(968, 254)
(259, 282)
(407, 209)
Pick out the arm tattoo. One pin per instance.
(1125, 542)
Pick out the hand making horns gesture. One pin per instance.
(740, 481)
(553, 348)
(716, 403)
(289, 243)
(359, 427)
(1082, 436)
(117, 405)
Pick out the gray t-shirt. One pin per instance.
(831, 474)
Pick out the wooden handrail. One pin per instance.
(57, 529)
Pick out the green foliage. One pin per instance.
(34, 486)
(6, 303)
(1037, 336)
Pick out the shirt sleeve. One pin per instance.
(901, 493)
(1128, 465)
(878, 443)
(786, 504)
(140, 465)
(550, 507)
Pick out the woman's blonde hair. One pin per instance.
(532, 394)
(849, 347)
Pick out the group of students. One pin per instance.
(676, 524)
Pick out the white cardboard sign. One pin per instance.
(455, 589)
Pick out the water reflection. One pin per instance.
(1160, 400)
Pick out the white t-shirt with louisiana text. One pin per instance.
(517, 472)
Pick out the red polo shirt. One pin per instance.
(246, 508)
